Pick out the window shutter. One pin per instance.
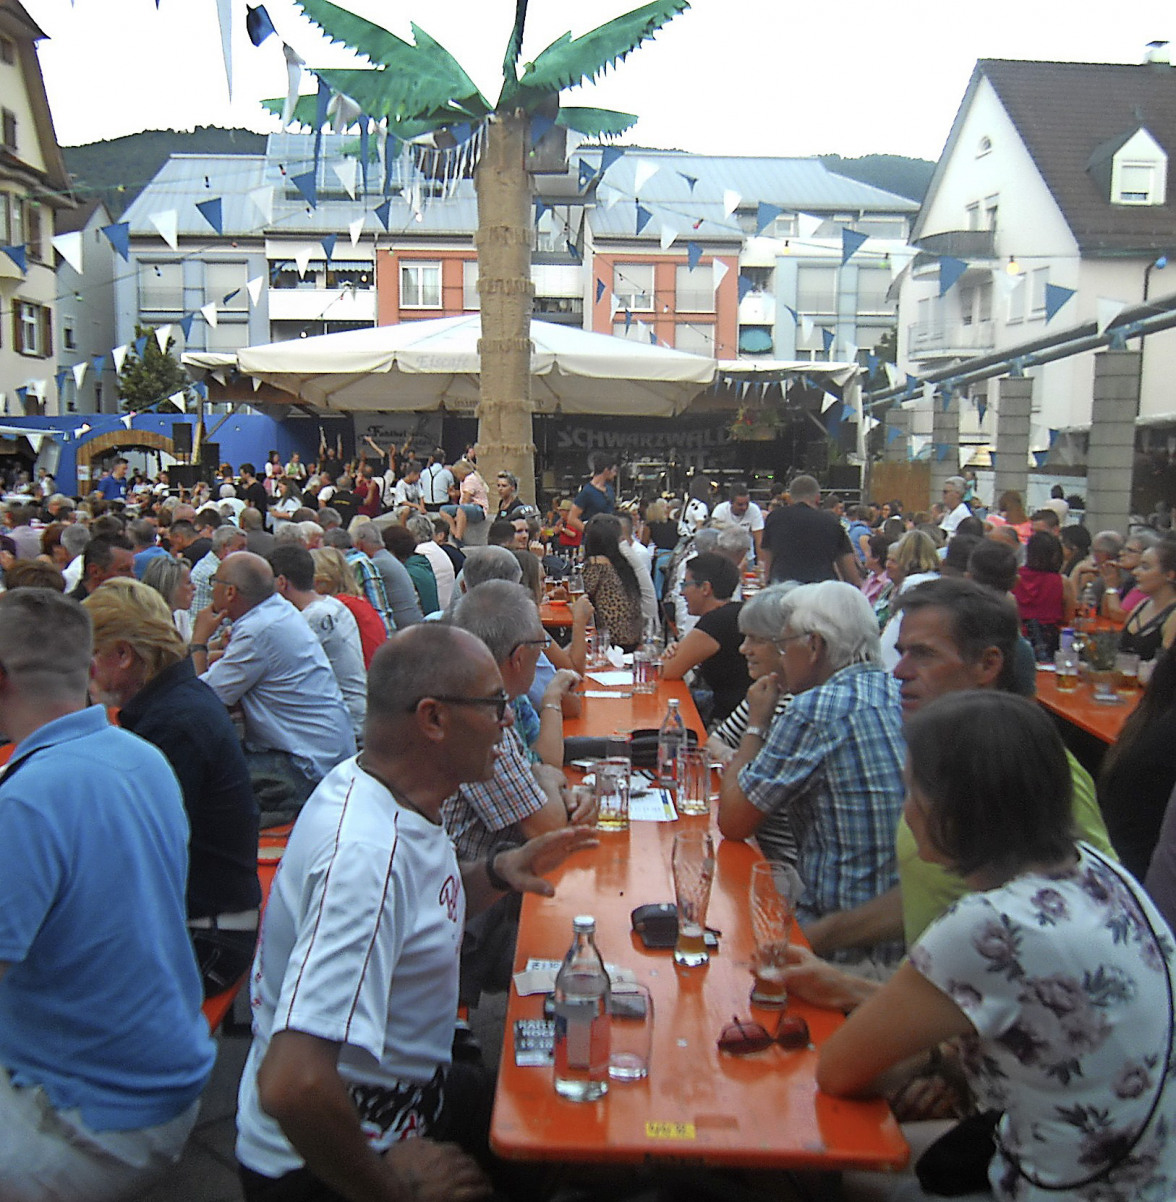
(46, 316)
(17, 334)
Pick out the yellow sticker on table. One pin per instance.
(669, 1131)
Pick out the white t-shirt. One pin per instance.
(443, 571)
(337, 631)
(693, 517)
(953, 519)
(359, 946)
(751, 520)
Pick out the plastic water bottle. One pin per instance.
(581, 1018)
(671, 738)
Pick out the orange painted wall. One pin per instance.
(388, 310)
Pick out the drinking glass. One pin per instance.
(1066, 665)
(1126, 673)
(612, 794)
(775, 890)
(693, 864)
(645, 667)
(693, 781)
(630, 1033)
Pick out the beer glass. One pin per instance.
(775, 890)
(693, 864)
(693, 781)
(612, 794)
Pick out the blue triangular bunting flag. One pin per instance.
(17, 255)
(946, 394)
(540, 209)
(586, 174)
(652, 338)
(793, 312)
(693, 254)
(981, 408)
(574, 251)
(950, 270)
(608, 156)
(851, 241)
(119, 236)
(765, 214)
(99, 362)
(186, 325)
(893, 432)
(1055, 297)
(140, 345)
(540, 124)
(1040, 457)
(690, 179)
(258, 24)
(306, 186)
(383, 212)
(228, 296)
(941, 451)
(601, 288)
(60, 378)
(328, 245)
(745, 286)
(643, 216)
(201, 388)
(871, 363)
(212, 212)
(826, 339)
(1053, 437)
(22, 391)
(628, 321)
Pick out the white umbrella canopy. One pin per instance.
(422, 365)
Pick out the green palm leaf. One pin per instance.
(596, 123)
(570, 61)
(427, 76)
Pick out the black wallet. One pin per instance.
(657, 925)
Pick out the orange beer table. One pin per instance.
(1081, 710)
(697, 1105)
(555, 614)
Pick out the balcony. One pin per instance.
(949, 340)
(756, 309)
(960, 244)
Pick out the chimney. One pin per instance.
(1156, 54)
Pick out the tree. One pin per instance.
(419, 88)
(152, 376)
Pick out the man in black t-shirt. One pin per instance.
(253, 492)
(805, 543)
(598, 495)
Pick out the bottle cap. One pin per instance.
(673, 703)
(584, 924)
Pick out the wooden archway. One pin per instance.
(96, 447)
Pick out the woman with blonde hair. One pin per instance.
(171, 578)
(909, 561)
(333, 577)
(141, 665)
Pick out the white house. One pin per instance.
(1053, 174)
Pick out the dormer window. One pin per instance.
(984, 146)
(1136, 184)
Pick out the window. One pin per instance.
(7, 51)
(881, 227)
(816, 289)
(8, 129)
(33, 329)
(227, 336)
(694, 290)
(68, 339)
(32, 225)
(633, 285)
(1038, 279)
(984, 146)
(696, 338)
(469, 285)
(1017, 299)
(161, 287)
(285, 276)
(973, 211)
(873, 285)
(1137, 183)
(991, 212)
(16, 214)
(348, 274)
(223, 280)
(420, 285)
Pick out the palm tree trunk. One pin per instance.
(503, 185)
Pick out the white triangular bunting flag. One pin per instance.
(119, 354)
(965, 455)
(643, 171)
(731, 200)
(929, 393)
(850, 352)
(224, 13)
(827, 402)
(302, 260)
(899, 258)
(1007, 284)
(1108, 310)
(79, 373)
(870, 423)
(178, 399)
(919, 443)
(355, 229)
(221, 376)
(162, 336)
(718, 272)
(614, 303)
(346, 173)
(36, 438)
(262, 200)
(891, 374)
(254, 287)
(165, 223)
(668, 234)
(208, 312)
(294, 64)
(126, 420)
(69, 247)
(256, 383)
(806, 328)
(344, 112)
(807, 225)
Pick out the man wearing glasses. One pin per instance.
(350, 1089)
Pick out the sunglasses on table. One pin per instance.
(742, 1037)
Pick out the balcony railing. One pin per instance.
(950, 338)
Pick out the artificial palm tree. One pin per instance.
(419, 88)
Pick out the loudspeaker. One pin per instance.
(182, 438)
(210, 455)
(184, 475)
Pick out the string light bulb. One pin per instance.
(1013, 267)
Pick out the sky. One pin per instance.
(746, 77)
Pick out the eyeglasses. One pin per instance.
(790, 638)
(499, 701)
(742, 1037)
(688, 583)
(545, 641)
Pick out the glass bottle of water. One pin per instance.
(671, 738)
(581, 1018)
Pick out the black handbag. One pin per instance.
(643, 747)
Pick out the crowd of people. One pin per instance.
(358, 649)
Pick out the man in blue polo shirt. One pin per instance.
(114, 486)
(103, 1049)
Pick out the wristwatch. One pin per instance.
(759, 732)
